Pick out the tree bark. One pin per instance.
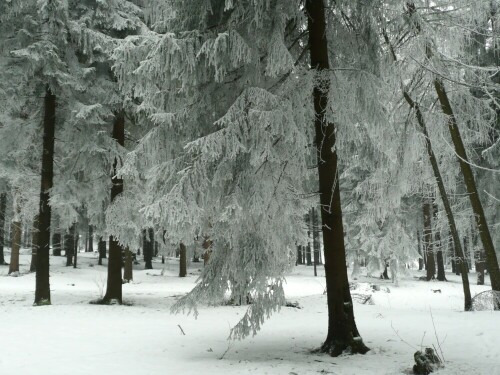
(42, 290)
(419, 249)
(69, 245)
(101, 248)
(34, 244)
(147, 247)
(76, 238)
(90, 246)
(428, 243)
(182, 260)
(114, 281)
(441, 276)
(459, 260)
(343, 335)
(3, 207)
(470, 184)
(56, 244)
(316, 244)
(16, 235)
(127, 269)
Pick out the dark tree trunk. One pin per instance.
(56, 244)
(15, 237)
(459, 260)
(101, 248)
(441, 276)
(308, 254)
(34, 244)
(182, 260)
(42, 290)
(114, 282)
(470, 184)
(127, 269)
(147, 247)
(466, 258)
(451, 253)
(316, 244)
(3, 207)
(385, 275)
(75, 246)
(428, 245)
(157, 250)
(299, 255)
(90, 246)
(419, 249)
(343, 335)
(69, 245)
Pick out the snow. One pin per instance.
(73, 336)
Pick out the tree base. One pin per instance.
(43, 302)
(335, 348)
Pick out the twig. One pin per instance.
(178, 325)
(435, 333)
(422, 342)
(404, 341)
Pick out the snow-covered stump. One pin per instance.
(426, 362)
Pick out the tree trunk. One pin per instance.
(42, 290)
(480, 268)
(316, 244)
(147, 247)
(76, 238)
(90, 246)
(34, 244)
(182, 260)
(384, 274)
(470, 184)
(56, 244)
(114, 282)
(69, 245)
(343, 335)
(3, 207)
(419, 249)
(101, 248)
(299, 255)
(207, 247)
(15, 236)
(428, 245)
(459, 260)
(127, 269)
(441, 276)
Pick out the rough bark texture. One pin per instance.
(56, 244)
(343, 335)
(15, 244)
(69, 245)
(3, 207)
(127, 269)
(316, 244)
(42, 290)
(428, 245)
(101, 247)
(182, 260)
(34, 244)
(470, 184)
(114, 281)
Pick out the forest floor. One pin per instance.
(74, 337)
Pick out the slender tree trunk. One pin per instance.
(441, 276)
(419, 249)
(127, 269)
(3, 207)
(480, 268)
(34, 244)
(15, 236)
(299, 255)
(56, 244)
(90, 246)
(207, 247)
(76, 238)
(385, 275)
(101, 247)
(459, 260)
(428, 243)
(342, 334)
(451, 253)
(114, 282)
(42, 290)
(316, 244)
(470, 184)
(69, 245)
(147, 247)
(182, 260)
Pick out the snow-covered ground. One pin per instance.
(74, 337)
